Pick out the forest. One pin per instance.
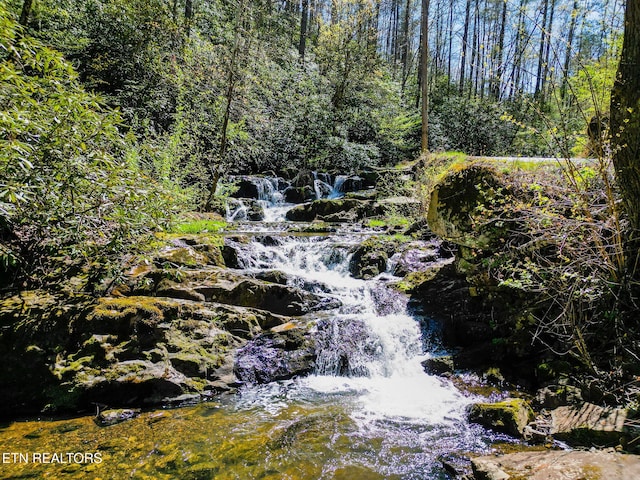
(108, 104)
(202, 198)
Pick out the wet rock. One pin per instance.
(415, 258)
(273, 276)
(245, 209)
(299, 194)
(352, 183)
(275, 356)
(438, 365)
(246, 188)
(589, 425)
(112, 417)
(557, 465)
(370, 258)
(345, 347)
(273, 297)
(230, 256)
(510, 416)
(327, 207)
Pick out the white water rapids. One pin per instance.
(369, 354)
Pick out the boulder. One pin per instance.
(327, 207)
(509, 416)
(557, 465)
(275, 356)
(463, 206)
(591, 425)
(273, 297)
(439, 365)
(415, 257)
(112, 417)
(299, 194)
(246, 188)
(246, 209)
(370, 258)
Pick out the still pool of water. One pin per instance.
(318, 428)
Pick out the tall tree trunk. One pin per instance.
(26, 12)
(516, 71)
(496, 84)
(405, 44)
(424, 69)
(465, 39)
(543, 40)
(188, 15)
(569, 51)
(304, 15)
(449, 49)
(625, 126)
(546, 69)
(473, 75)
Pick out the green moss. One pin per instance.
(200, 226)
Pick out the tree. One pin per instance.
(26, 11)
(424, 69)
(625, 123)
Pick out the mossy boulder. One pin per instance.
(370, 257)
(509, 416)
(464, 206)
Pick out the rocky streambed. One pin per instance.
(295, 341)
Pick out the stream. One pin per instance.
(369, 411)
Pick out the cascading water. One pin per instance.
(369, 354)
(368, 411)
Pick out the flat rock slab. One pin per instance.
(558, 465)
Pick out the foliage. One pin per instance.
(67, 190)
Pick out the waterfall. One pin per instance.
(371, 344)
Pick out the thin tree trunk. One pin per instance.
(473, 76)
(546, 69)
(405, 45)
(231, 84)
(567, 58)
(465, 38)
(496, 84)
(424, 68)
(188, 16)
(449, 50)
(516, 71)
(543, 40)
(303, 29)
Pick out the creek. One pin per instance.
(368, 411)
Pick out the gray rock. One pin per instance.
(557, 465)
(592, 425)
(275, 356)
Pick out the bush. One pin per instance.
(68, 191)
